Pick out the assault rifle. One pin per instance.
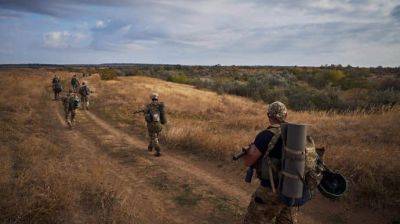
(250, 170)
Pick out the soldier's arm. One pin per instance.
(252, 155)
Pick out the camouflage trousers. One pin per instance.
(85, 102)
(56, 94)
(69, 114)
(154, 142)
(75, 88)
(265, 207)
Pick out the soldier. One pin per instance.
(75, 83)
(155, 118)
(57, 87)
(84, 92)
(265, 205)
(70, 103)
(65, 100)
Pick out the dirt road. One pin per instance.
(176, 188)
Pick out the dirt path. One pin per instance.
(149, 205)
(203, 176)
(319, 210)
(174, 189)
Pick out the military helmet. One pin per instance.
(333, 185)
(154, 96)
(277, 110)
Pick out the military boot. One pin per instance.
(150, 148)
(157, 151)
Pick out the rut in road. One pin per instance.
(179, 191)
(149, 205)
(177, 166)
(198, 173)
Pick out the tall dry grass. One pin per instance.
(364, 147)
(40, 178)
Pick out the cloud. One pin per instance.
(396, 13)
(242, 31)
(63, 39)
(56, 8)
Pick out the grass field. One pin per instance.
(49, 174)
(361, 145)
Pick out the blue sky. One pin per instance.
(241, 32)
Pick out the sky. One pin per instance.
(201, 32)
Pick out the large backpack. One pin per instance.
(155, 113)
(312, 175)
(74, 102)
(84, 91)
(57, 87)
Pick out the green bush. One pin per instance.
(108, 74)
(178, 78)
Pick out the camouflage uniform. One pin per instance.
(75, 83)
(69, 108)
(154, 123)
(84, 92)
(265, 205)
(57, 88)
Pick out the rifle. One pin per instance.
(241, 154)
(250, 169)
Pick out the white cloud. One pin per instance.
(57, 39)
(63, 39)
(100, 24)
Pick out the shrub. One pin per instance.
(108, 74)
(178, 78)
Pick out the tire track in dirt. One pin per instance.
(177, 164)
(149, 204)
(218, 184)
(241, 196)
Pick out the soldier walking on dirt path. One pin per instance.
(57, 87)
(265, 205)
(155, 117)
(84, 93)
(70, 104)
(75, 83)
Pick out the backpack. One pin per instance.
(155, 113)
(74, 102)
(312, 175)
(84, 91)
(74, 81)
(57, 87)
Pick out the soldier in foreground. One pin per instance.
(265, 205)
(84, 93)
(70, 103)
(155, 117)
(75, 83)
(57, 87)
(290, 169)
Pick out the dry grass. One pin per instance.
(40, 181)
(362, 146)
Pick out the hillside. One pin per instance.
(100, 172)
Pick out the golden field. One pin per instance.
(50, 174)
(363, 146)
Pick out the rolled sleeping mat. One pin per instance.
(293, 164)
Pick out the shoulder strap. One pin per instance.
(276, 131)
(267, 171)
